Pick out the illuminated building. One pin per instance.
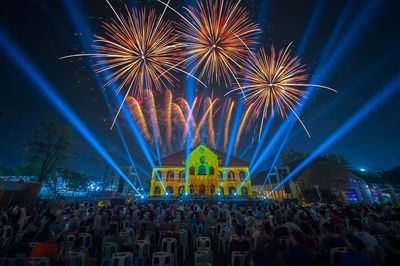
(206, 171)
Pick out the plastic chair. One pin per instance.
(203, 242)
(203, 258)
(161, 259)
(170, 245)
(141, 252)
(122, 258)
(70, 240)
(108, 249)
(124, 224)
(87, 240)
(126, 237)
(73, 258)
(223, 239)
(114, 223)
(8, 232)
(39, 261)
(239, 258)
(131, 233)
(336, 253)
(183, 238)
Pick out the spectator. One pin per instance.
(354, 257)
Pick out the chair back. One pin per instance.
(114, 223)
(203, 242)
(122, 259)
(126, 237)
(161, 259)
(108, 249)
(39, 261)
(87, 240)
(70, 240)
(8, 232)
(239, 258)
(198, 229)
(169, 245)
(141, 252)
(75, 258)
(124, 224)
(203, 257)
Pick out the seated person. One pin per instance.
(331, 239)
(355, 255)
(47, 247)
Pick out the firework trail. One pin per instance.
(210, 124)
(168, 115)
(154, 117)
(241, 127)
(227, 125)
(137, 113)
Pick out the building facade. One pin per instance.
(204, 172)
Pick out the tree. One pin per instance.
(292, 158)
(76, 181)
(106, 172)
(48, 149)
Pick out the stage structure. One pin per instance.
(207, 174)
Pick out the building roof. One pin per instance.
(176, 159)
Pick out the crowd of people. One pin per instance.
(211, 233)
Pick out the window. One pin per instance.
(202, 190)
(244, 191)
(182, 175)
(157, 190)
(231, 175)
(170, 190)
(192, 170)
(212, 190)
(221, 190)
(191, 189)
(242, 175)
(170, 175)
(212, 172)
(232, 190)
(181, 190)
(221, 175)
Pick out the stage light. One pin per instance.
(166, 193)
(186, 193)
(362, 169)
(219, 193)
(234, 193)
(142, 197)
(265, 197)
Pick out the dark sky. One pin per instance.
(367, 61)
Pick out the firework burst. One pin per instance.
(270, 81)
(216, 39)
(136, 50)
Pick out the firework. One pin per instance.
(216, 39)
(270, 81)
(227, 124)
(136, 50)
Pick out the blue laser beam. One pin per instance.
(52, 96)
(349, 124)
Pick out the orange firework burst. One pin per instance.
(270, 81)
(136, 50)
(216, 37)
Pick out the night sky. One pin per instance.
(368, 60)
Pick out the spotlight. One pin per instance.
(166, 193)
(186, 193)
(219, 193)
(362, 169)
(142, 197)
(234, 193)
(265, 197)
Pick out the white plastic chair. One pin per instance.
(183, 238)
(239, 258)
(124, 224)
(122, 259)
(170, 245)
(87, 240)
(141, 252)
(70, 240)
(36, 261)
(74, 256)
(131, 233)
(8, 232)
(203, 242)
(108, 249)
(161, 259)
(203, 258)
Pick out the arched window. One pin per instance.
(242, 175)
(232, 190)
(182, 175)
(244, 191)
(212, 172)
(231, 175)
(170, 175)
(170, 190)
(191, 189)
(192, 170)
(221, 190)
(181, 190)
(157, 190)
(212, 190)
(221, 175)
(202, 190)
